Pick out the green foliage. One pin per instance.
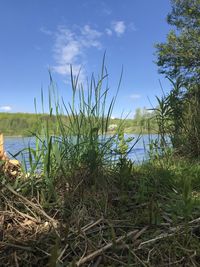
(144, 120)
(162, 116)
(23, 124)
(179, 56)
(178, 118)
(124, 166)
(122, 142)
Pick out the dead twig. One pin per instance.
(16, 246)
(33, 206)
(24, 215)
(105, 248)
(153, 240)
(172, 231)
(91, 225)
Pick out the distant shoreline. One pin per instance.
(16, 136)
(109, 132)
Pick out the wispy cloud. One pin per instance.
(135, 96)
(132, 27)
(107, 11)
(45, 31)
(118, 27)
(90, 37)
(71, 46)
(108, 31)
(105, 8)
(5, 108)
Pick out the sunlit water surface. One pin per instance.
(138, 154)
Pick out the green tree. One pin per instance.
(179, 56)
(179, 59)
(138, 116)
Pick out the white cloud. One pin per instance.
(65, 70)
(108, 31)
(91, 34)
(6, 108)
(71, 46)
(67, 53)
(150, 111)
(135, 96)
(119, 27)
(90, 37)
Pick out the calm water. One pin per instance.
(139, 153)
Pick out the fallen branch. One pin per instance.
(172, 231)
(161, 236)
(108, 246)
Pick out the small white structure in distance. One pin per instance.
(112, 127)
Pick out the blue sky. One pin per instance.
(37, 35)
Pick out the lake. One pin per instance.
(138, 154)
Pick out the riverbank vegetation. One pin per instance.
(26, 124)
(80, 201)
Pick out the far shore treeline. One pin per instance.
(25, 124)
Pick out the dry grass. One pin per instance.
(99, 229)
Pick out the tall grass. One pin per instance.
(178, 117)
(79, 152)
